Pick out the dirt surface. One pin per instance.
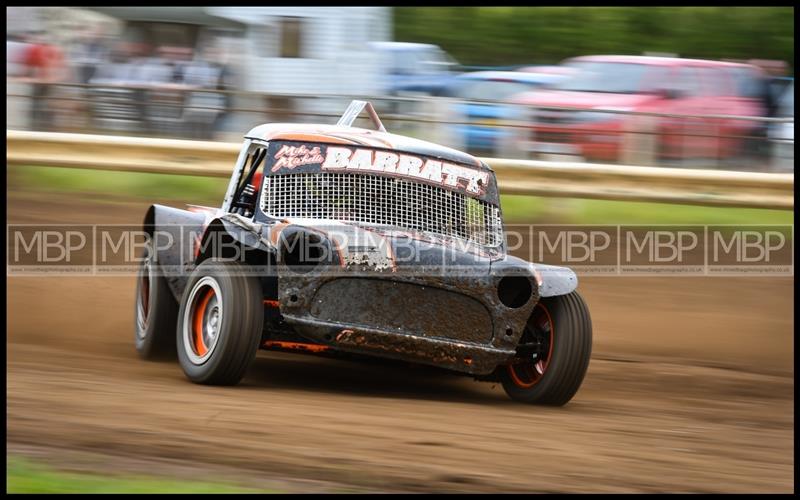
(690, 388)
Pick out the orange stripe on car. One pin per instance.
(295, 346)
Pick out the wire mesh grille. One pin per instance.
(386, 202)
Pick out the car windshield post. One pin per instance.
(236, 175)
(257, 157)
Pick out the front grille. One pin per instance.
(386, 202)
(434, 312)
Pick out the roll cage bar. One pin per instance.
(236, 185)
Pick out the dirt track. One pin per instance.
(690, 389)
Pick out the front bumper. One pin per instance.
(593, 141)
(454, 322)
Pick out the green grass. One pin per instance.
(131, 184)
(516, 209)
(519, 209)
(24, 476)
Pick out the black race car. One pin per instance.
(342, 240)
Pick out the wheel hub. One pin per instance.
(212, 325)
(534, 350)
(203, 320)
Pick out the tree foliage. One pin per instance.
(496, 36)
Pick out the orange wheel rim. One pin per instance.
(526, 373)
(199, 313)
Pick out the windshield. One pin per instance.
(611, 77)
(418, 62)
(487, 90)
(403, 62)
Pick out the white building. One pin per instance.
(308, 50)
(320, 50)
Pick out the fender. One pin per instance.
(181, 239)
(551, 280)
(241, 230)
(556, 280)
(173, 231)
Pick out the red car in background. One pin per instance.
(607, 89)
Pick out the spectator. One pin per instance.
(16, 50)
(44, 64)
(155, 70)
(203, 108)
(90, 53)
(118, 70)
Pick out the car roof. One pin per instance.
(402, 45)
(354, 136)
(657, 61)
(546, 69)
(510, 76)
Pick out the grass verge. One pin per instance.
(25, 476)
(526, 209)
(127, 184)
(516, 209)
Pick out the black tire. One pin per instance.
(229, 310)
(155, 313)
(567, 353)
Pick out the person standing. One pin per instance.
(44, 64)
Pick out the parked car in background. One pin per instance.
(607, 89)
(482, 136)
(777, 86)
(550, 70)
(418, 68)
(781, 135)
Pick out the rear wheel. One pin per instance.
(553, 353)
(156, 312)
(219, 323)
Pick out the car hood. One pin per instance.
(588, 100)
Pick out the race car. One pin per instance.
(338, 240)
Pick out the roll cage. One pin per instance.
(238, 198)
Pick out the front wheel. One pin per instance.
(219, 323)
(553, 353)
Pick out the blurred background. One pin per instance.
(691, 382)
(691, 87)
